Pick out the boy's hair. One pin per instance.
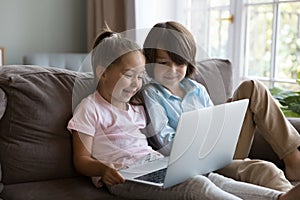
(109, 47)
(174, 38)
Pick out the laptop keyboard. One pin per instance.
(156, 176)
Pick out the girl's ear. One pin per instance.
(100, 71)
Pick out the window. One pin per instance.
(263, 42)
(209, 21)
(272, 46)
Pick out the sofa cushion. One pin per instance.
(79, 188)
(3, 101)
(34, 142)
(216, 76)
(1, 184)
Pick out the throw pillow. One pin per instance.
(216, 75)
(35, 144)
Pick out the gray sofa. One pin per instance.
(36, 103)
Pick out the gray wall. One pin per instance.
(32, 26)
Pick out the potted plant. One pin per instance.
(289, 101)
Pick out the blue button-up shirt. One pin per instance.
(164, 110)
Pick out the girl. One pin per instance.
(106, 132)
(170, 52)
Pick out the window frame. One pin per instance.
(237, 41)
(272, 79)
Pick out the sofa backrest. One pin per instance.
(71, 61)
(34, 141)
(214, 74)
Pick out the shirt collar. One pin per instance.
(186, 83)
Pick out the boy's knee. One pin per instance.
(244, 90)
(249, 88)
(247, 84)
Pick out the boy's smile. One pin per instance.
(167, 72)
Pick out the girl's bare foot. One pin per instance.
(293, 194)
(292, 166)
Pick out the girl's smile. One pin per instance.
(123, 79)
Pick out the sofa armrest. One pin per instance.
(3, 102)
(295, 121)
(262, 150)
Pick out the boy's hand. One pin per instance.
(111, 177)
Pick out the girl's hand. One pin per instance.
(111, 177)
(229, 100)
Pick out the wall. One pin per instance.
(29, 26)
(148, 13)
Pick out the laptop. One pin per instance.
(204, 142)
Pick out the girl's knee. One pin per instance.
(201, 181)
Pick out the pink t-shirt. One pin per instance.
(117, 135)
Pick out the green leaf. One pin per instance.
(289, 113)
(276, 90)
(289, 101)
